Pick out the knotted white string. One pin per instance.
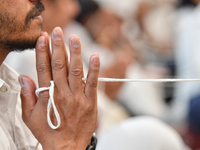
(50, 102)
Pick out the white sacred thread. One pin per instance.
(143, 80)
(51, 92)
(50, 102)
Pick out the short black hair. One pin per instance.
(87, 7)
(186, 3)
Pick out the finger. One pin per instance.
(92, 79)
(59, 60)
(28, 96)
(43, 60)
(43, 66)
(76, 66)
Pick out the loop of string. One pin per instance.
(50, 103)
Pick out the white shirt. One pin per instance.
(14, 133)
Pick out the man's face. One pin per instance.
(20, 23)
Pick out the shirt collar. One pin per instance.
(9, 78)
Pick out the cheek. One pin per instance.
(18, 9)
(9, 22)
(72, 10)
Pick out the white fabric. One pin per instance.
(124, 9)
(141, 133)
(14, 133)
(187, 52)
(133, 97)
(23, 63)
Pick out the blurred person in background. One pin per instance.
(150, 29)
(59, 13)
(186, 49)
(151, 22)
(104, 31)
(104, 25)
(139, 68)
(185, 108)
(101, 31)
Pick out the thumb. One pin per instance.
(28, 96)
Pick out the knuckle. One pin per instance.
(95, 69)
(57, 64)
(24, 93)
(75, 72)
(58, 44)
(61, 96)
(75, 51)
(42, 67)
(69, 95)
(89, 107)
(92, 83)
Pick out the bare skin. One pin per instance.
(76, 101)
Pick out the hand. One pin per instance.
(75, 100)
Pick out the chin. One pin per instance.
(25, 41)
(35, 30)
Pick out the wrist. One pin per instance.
(69, 146)
(91, 145)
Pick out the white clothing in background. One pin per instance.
(142, 98)
(23, 63)
(187, 52)
(109, 112)
(141, 133)
(131, 94)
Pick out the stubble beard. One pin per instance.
(10, 28)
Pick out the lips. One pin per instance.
(37, 16)
(35, 12)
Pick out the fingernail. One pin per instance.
(42, 41)
(75, 42)
(57, 34)
(22, 81)
(95, 60)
